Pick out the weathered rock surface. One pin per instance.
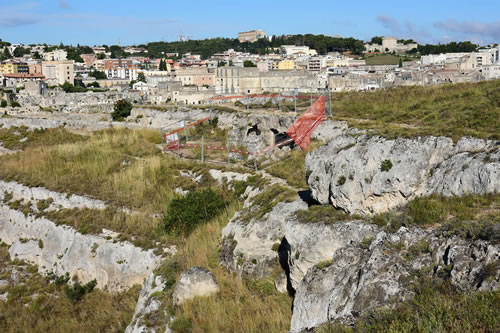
(347, 171)
(362, 279)
(195, 282)
(61, 249)
(60, 200)
(247, 246)
(147, 304)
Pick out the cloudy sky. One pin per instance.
(134, 22)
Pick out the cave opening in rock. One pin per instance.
(306, 196)
(254, 129)
(284, 251)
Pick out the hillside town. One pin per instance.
(263, 167)
(33, 75)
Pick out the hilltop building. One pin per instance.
(389, 45)
(251, 36)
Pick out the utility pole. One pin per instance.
(202, 149)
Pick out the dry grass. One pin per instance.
(240, 306)
(453, 110)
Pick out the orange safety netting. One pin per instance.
(304, 127)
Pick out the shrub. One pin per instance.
(182, 325)
(3, 103)
(121, 110)
(427, 210)
(77, 291)
(386, 165)
(324, 264)
(15, 104)
(341, 181)
(185, 213)
(366, 242)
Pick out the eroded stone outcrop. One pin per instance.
(254, 247)
(195, 282)
(366, 175)
(61, 249)
(359, 279)
(147, 304)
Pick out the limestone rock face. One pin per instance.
(61, 249)
(146, 304)
(349, 171)
(195, 282)
(362, 279)
(253, 247)
(60, 200)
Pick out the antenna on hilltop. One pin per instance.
(183, 38)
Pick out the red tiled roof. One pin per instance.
(25, 76)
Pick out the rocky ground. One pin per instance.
(322, 246)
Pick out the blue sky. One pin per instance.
(132, 22)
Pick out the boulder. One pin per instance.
(195, 282)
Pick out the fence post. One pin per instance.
(311, 98)
(279, 99)
(227, 144)
(202, 149)
(255, 162)
(248, 101)
(295, 101)
(178, 145)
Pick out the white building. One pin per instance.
(56, 55)
(289, 50)
(122, 73)
(491, 72)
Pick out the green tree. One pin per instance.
(141, 77)
(376, 40)
(400, 62)
(3, 103)
(6, 53)
(98, 75)
(249, 63)
(121, 110)
(20, 51)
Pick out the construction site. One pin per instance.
(202, 139)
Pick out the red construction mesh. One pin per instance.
(304, 127)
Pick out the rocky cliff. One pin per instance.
(60, 249)
(365, 175)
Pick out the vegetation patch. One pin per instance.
(326, 214)
(265, 201)
(469, 216)
(293, 169)
(436, 307)
(324, 264)
(186, 212)
(454, 110)
(20, 138)
(37, 303)
(386, 165)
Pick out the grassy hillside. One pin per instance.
(124, 168)
(451, 110)
(385, 59)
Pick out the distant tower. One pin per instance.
(118, 41)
